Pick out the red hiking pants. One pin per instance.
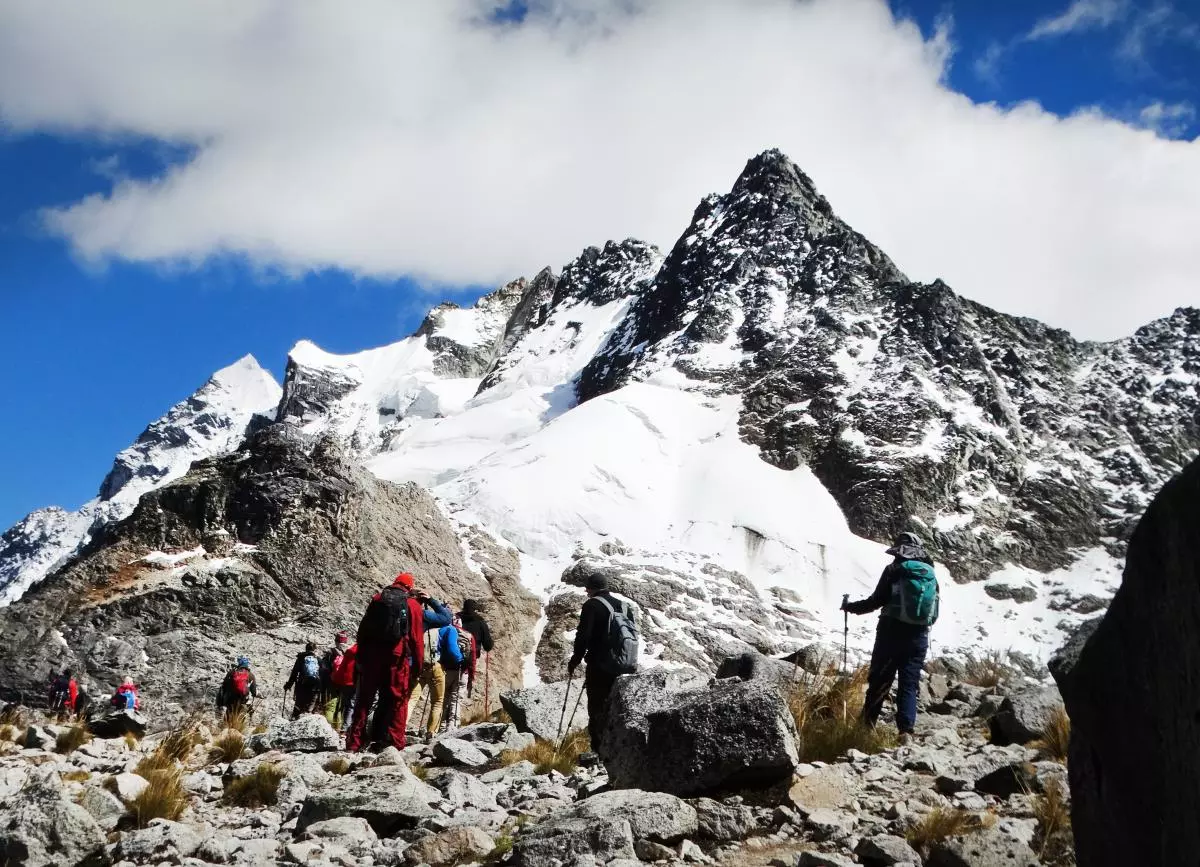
(390, 678)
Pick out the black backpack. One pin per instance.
(621, 639)
(386, 622)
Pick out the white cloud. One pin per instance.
(1080, 15)
(1171, 120)
(987, 65)
(408, 137)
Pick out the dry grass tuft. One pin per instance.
(1056, 736)
(156, 761)
(421, 772)
(237, 719)
(499, 715)
(76, 776)
(228, 746)
(260, 789)
(1053, 839)
(180, 741)
(13, 716)
(942, 823)
(131, 741)
(338, 765)
(547, 757)
(827, 710)
(9, 732)
(164, 798)
(989, 670)
(72, 739)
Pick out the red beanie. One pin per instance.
(404, 579)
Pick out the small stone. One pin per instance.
(452, 846)
(648, 850)
(689, 851)
(129, 786)
(885, 850)
(342, 828)
(821, 859)
(453, 751)
(804, 769)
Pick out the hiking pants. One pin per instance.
(389, 678)
(339, 706)
(900, 649)
(432, 681)
(599, 686)
(456, 697)
(308, 699)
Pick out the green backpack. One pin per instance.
(914, 594)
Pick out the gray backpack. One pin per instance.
(621, 646)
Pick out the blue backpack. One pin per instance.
(312, 669)
(914, 594)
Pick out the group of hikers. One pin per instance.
(413, 657)
(68, 699)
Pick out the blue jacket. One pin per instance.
(437, 615)
(448, 650)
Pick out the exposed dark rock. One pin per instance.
(1131, 693)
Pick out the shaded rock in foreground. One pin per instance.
(1132, 698)
(539, 709)
(42, 828)
(389, 798)
(558, 841)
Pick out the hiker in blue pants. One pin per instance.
(908, 595)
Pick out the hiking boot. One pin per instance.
(905, 738)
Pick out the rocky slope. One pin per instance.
(251, 552)
(212, 421)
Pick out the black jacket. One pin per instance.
(478, 628)
(591, 638)
(882, 594)
(297, 677)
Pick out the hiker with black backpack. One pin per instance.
(390, 653)
(607, 640)
(908, 595)
(238, 688)
(473, 622)
(457, 649)
(306, 679)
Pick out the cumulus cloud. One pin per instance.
(425, 138)
(1079, 16)
(1168, 119)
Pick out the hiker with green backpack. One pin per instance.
(908, 595)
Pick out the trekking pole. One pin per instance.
(566, 698)
(845, 633)
(571, 721)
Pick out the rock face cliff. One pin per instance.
(1131, 691)
(251, 552)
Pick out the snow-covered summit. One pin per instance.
(212, 421)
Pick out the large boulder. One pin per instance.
(984, 849)
(452, 846)
(654, 816)
(41, 827)
(1024, 714)
(539, 709)
(632, 701)
(1131, 694)
(726, 735)
(310, 733)
(390, 798)
(560, 840)
(161, 840)
(118, 724)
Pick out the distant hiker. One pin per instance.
(909, 596)
(338, 670)
(306, 679)
(607, 639)
(478, 627)
(64, 690)
(238, 688)
(457, 649)
(432, 679)
(126, 696)
(390, 653)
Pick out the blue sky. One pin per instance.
(98, 337)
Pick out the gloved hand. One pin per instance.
(571, 666)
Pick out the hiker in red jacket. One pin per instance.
(390, 653)
(126, 696)
(64, 691)
(338, 669)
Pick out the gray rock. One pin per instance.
(648, 850)
(755, 666)
(389, 798)
(884, 850)
(452, 751)
(1023, 715)
(1131, 695)
(723, 823)
(539, 709)
(105, 807)
(161, 840)
(40, 738)
(117, 724)
(462, 790)
(129, 786)
(733, 734)
(40, 827)
(261, 851)
(557, 841)
(982, 849)
(506, 775)
(827, 824)
(654, 816)
(1014, 779)
(821, 859)
(453, 846)
(692, 853)
(311, 733)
